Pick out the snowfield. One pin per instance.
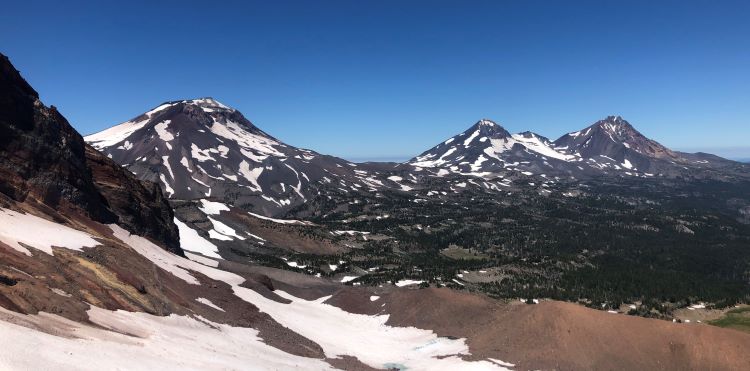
(339, 333)
(141, 341)
(366, 337)
(41, 234)
(192, 241)
(155, 343)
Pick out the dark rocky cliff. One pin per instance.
(44, 159)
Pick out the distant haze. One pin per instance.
(732, 153)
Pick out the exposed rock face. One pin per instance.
(140, 205)
(41, 155)
(43, 159)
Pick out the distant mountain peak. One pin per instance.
(207, 102)
(614, 118)
(488, 128)
(617, 125)
(615, 138)
(486, 122)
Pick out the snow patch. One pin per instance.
(190, 240)
(161, 130)
(208, 303)
(212, 208)
(407, 282)
(41, 234)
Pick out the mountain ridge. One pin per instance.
(201, 148)
(611, 146)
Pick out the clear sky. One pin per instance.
(388, 79)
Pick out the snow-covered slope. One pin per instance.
(201, 148)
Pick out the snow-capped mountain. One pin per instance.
(612, 137)
(201, 148)
(488, 150)
(613, 143)
(608, 147)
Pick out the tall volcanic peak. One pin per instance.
(612, 137)
(487, 149)
(488, 128)
(195, 114)
(202, 148)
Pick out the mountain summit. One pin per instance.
(201, 148)
(487, 149)
(615, 138)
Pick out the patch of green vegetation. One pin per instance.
(740, 310)
(458, 253)
(738, 319)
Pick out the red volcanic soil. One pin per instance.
(557, 335)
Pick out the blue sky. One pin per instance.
(389, 79)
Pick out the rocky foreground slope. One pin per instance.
(92, 277)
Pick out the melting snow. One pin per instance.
(403, 283)
(201, 259)
(172, 263)
(202, 155)
(190, 240)
(280, 221)
(212, 208)
(251, 175)
(161, 343)
(41, 234)
(161, 130)
(234, 132)
(207, 302)
(471, 137)
(537, 145)
(115, 134)
(167, 188)
(222, 231)
(366, 337)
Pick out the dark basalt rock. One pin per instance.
(43, 158)
(41, 155)
(140, 205)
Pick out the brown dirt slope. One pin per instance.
(566, 336)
